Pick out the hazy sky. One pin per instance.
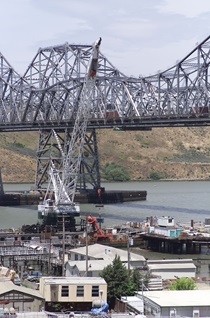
(140, 37)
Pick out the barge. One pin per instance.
(34, 197)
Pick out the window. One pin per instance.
(64, 291)
(95, 291)
(173, 313)
(80, 291)
(196, 314)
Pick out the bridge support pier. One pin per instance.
(49, 148)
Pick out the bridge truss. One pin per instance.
(50, 148)
(46, 97)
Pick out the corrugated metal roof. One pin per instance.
(99, 251)
(179, 298)
(8, 286)
(171, 266)
(170, 260)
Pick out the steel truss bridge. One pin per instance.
(46, 99)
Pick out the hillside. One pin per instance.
(173, 153)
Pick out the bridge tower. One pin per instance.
(49, 148)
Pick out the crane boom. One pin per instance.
(73, 159)
(64, 183)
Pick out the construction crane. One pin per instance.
(63, 183)
(98, 233)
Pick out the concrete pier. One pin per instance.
(177, 245)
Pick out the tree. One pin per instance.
(183, 283)
(137, 279)
(118, 281)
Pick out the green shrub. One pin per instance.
(114, 172)
(183, 283)
(19, 145)
(155, 175)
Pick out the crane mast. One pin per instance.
(64, 183)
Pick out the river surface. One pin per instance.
(182, 200)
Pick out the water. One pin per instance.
(183, 200)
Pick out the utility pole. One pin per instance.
(129, 254)
(63, 262)
(86, 244)
(49, 265)
(142, 294)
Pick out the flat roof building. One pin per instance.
(106, 253)
(176, 303)
(172, 268)
(95, 267)
(75, 293)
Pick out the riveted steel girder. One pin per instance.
(47, 95)
(54, 147)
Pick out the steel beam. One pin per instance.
(51, 147)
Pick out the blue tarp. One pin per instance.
(102, 309)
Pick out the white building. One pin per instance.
(166, 221)
(19, 297)
(176, 303)
(172, 268)
(165, 226)
(133, 303)
(77, 292)
(107, 254)
(78, 268)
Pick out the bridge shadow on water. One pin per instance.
(166, 208)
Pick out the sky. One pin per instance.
(139, 37)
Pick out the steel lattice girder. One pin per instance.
(54, 146)
(48, 93)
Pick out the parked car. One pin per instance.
(33, 279)
(36, 274)
(17, 281)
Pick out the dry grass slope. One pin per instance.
(175, 153)
(18, 156)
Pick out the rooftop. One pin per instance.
(103, 252)
(171, 266)
(170, 260)
(7, 286)
(73, 280)
(179, 298)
